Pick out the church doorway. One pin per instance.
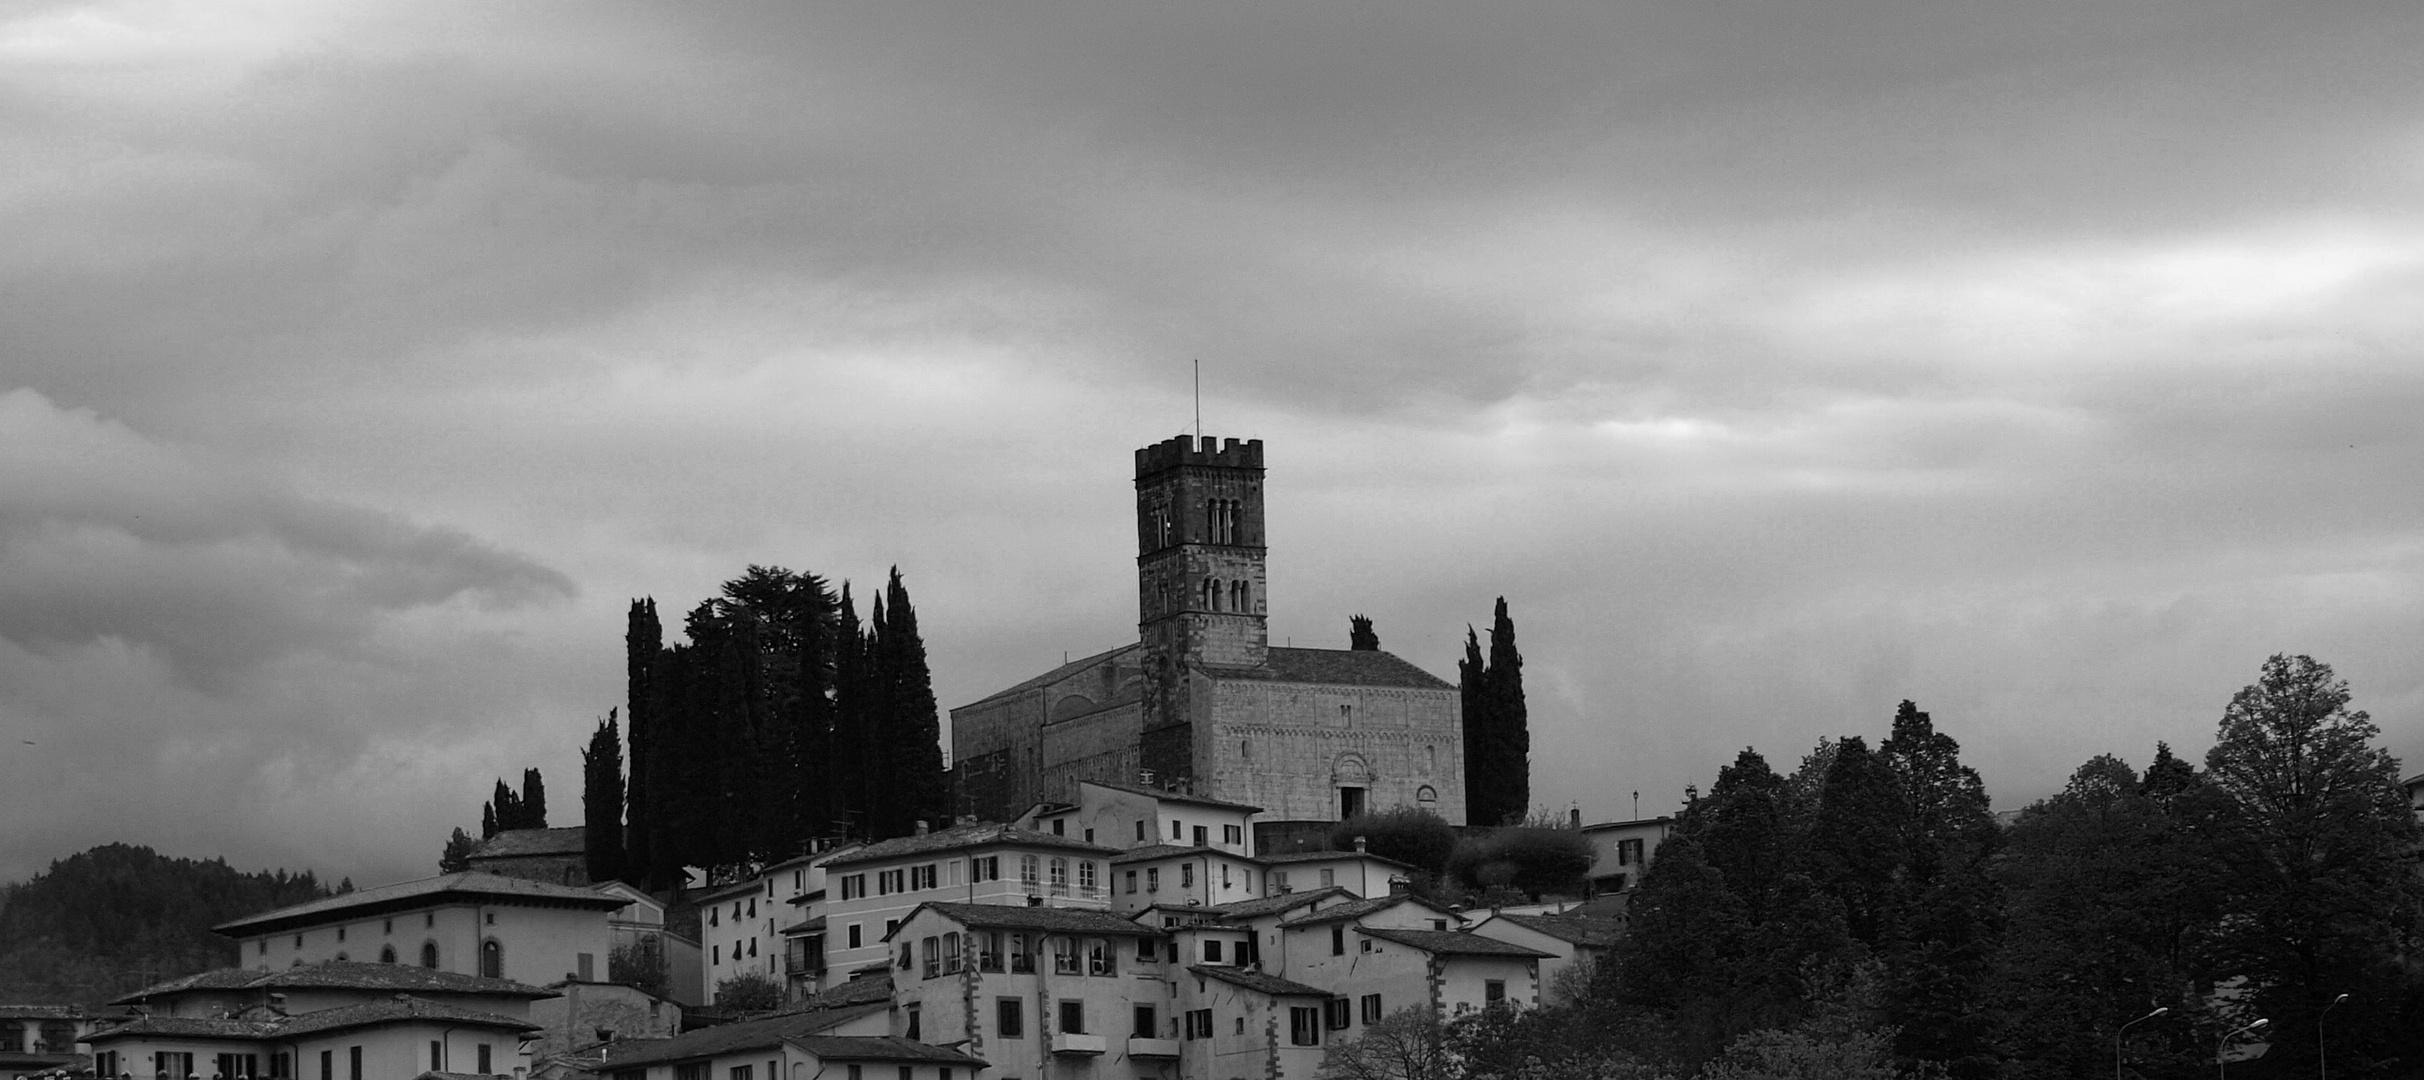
(1350, 802)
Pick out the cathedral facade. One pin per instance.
(1202, 703)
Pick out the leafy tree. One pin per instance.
(2320, 849)
(910, 738)
(1944, 905)
(111, 919)
(1409, 1044)
(640, 964)
(1411, 835)
(457, 856)
(748, 994)
(1854, 846)
(1528, 859)
(602, 801)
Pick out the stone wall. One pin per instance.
(1290, 747)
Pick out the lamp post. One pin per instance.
(2323, 1060)
(2221, 1067)
(2124, 1031)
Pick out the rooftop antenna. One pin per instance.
(1199, 400)
(1636, 806)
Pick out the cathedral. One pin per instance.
(1202, 704)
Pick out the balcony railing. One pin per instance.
(1075, 1042)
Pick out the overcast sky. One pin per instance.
(2050, 364)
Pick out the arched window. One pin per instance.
(429, 954)
(1426, 795)
(492, 959)
(387, 954)
(1205, 595)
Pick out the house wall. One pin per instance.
(539, 944)
(1463, 979)
(1218, 879)
(1362, 876)
(956, 1006)
(1607, 861)
(1250, 1034)
(954, 884)
(1290, 748)
(1400, 974)
(741, 932)
(1564, 954)
(574, 1018)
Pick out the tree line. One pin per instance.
(781, 719)
(115, 918)
(1866, 915)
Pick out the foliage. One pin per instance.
(1497, 733)
(2319, 839)
(602, 801)
(640, 964)
(749, 993)
(115, 918)
(1411, 835)
(1409, 1044)
(781, 719)
(1360, 637)
(457, 856)
(1529, 859)
(509, 809)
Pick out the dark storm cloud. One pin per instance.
(105, 535)
(2048, 363)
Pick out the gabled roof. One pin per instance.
(963, 836)
(880, 1048)
(1580, 930)
(1257, 981)
(1173, 796)
(1052, 676)
(399, 1007)
(1049, 920)
(1275, 904)
(470, 885)
(1338, 667)
(861, 990)
(809, 925)
(516, 843)
(762, 1033)
(1151, 852)
(1287, 858)
(1356, 909)
(1453, 943)
(340, 975)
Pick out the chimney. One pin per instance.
(921, 826)
(277, 1004)
(1359, 845)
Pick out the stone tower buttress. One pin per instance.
(1200, 579)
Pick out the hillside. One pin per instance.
(117, 917)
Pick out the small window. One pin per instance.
(1176, 830)
(1338, 940)
(1203, 837)
(1060, 826)
(1009, 1018)
(1142, 1023)
(1186, 875)
(1089, 836)
(911, 1014)
(1493, 990)
(1153, 879)
(1304, 1026)
(387, 954)
(429, 954)
(486, 1065)
(1212, 950)
(852, 934)
(492, 959)
(1073, 1017)
(1140, 832)
(1329, 878)
(1199, 1023)
(1336, 1013)
(1371, 1008)
(1131, 879)
(1145, 949)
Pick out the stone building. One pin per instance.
(1202, 702)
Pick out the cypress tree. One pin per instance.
(602, 801)
(488, 818)
(911, 751)
(643, 640)
(850, 744)
(1472, 684)
(534, 800)
(1510, 731)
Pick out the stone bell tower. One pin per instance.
(1199, 578)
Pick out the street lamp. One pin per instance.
(2323, 1060)
(2221, 1067)
(2124, 1031)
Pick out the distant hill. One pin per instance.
(116, 918)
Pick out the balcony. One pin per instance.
(1141, 1047)
(1075, 1042)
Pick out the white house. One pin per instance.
(468, 923)
(1622, 850)
(871, 888)
(1124, 816)
(1570, 940)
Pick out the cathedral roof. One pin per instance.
(1339, 667)
(1056, 674)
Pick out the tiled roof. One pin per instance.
(1255, 980)
(1054, 675)
(1287, 858)
(42, 1012)
(1274, 904)
(1166, 851)
(880, 1048)
(805, 926)
(1356, 909)
(404, 894)
(1453, 943)
(863, 990)
(340, 975)
(761, 1033)
(1173, 796)
(1047, 919)
(399, 1007)
(192, 1027)
(1338, 667)
(963, 836)
(518, 842)
(1587, 932)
